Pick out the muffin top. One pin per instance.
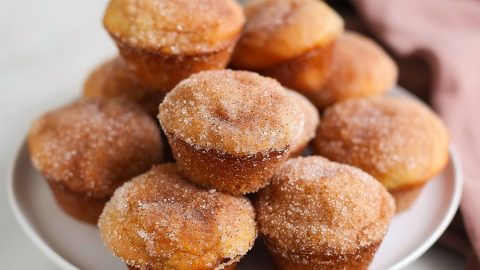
(317, 207)
(160, 221)
(178, 27)
(360, 68)
(399, 141)
(92, 146)
(235, 112)
(278, 30)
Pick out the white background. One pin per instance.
(46, 50)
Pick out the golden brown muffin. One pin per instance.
(166, 41)
(88, 148)
(306, 73)
(230, 130)
(113, 80)
(399, 141)
(160, 221)
(360, 68)
(290, 40)
(318, 214)
(312, 119)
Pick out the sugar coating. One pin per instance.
(401, 142)
(92, 146)
(235, 112)
(113, 79)
(322, 209)
(280, 30)
(312, 119)
(360, 68)
(175, 26)
(160, 221)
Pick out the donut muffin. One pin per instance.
(113, 80)
(230, 130)
(360, 68)
(312, 119)
(160, 221)
(399, 141)
(318, 214)
(289, 40)
(165, 41)
(86, 149)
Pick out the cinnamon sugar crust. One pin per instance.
(234, 112)
(160, 221)
(359, 68)
(316, 212)
(312, 119)
(92, 146)
(113, 79)
(278, 30)
(401, 142)
(175, 27)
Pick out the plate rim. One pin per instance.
(25, 225)
(56, 258)
(447, 219)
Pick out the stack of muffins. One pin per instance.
(236, 132)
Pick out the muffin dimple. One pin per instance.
(159, 220)
(175, 27)
(234, 112)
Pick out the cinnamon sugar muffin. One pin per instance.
(360, 68)
(88, 148)
(165, 41)
(399, 141)
(289, 40)
(312, 119)
(160, 221)
(230, 130)
(318, 214)
(113, 80)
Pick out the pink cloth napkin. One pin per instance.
(447, 34)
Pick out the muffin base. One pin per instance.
(359, 260)
(225, 172)
(80, 206)
(405, 197)
(306, 73)
(162, 71)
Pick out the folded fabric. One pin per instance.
(447, 34)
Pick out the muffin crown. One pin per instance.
(235, 112)
(315, 206)
(178, 27)
(93, 145)
(360, 68)
(401, 142)
(278, 30)
(159, 220)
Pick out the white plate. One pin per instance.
(75, 245)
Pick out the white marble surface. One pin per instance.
(46, 49)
